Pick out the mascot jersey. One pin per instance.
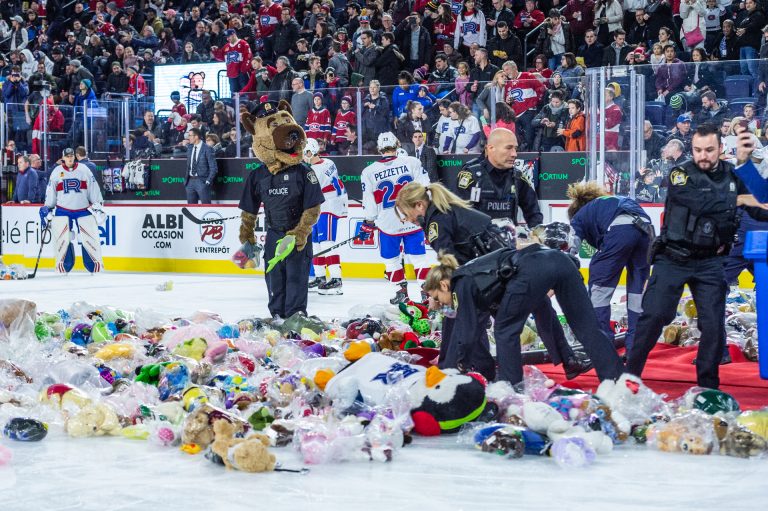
(382, 181)
(72, 190)
(333, 189)
(374, 375)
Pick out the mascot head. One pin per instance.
(277, 140)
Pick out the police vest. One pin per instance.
(490, 274)
(493, 200)
(712, 222)
(282, 195)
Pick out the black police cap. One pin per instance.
(265, 109)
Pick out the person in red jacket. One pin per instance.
(136, 84)
(528, 19)
(523, 92)
(269, 17)
(613, 118)
(55, 124)
(237, 54)
(318, 124)
(345, 118)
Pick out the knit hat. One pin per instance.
(170, 13)
(318, 95)
(421, 73)
(676, 101)
(348, 99)
(87, 82)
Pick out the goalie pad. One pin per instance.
(61, 237)
(90, 243)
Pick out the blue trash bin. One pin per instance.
(756, 249)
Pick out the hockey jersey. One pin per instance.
(443, 130)
(237, 56)
(333, 189)
(343, 121)
(72, 189)
(470, 28)
(523, 93)
(381, 182)
(269, 17)
(318, 124)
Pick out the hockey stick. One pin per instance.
(323, 252)
(199, 221)
(47, 230)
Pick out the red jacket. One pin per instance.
(318, 124)
(268, 18)
(613, 118)
(343, 121)
(523, 93)
(536, 14)
(237, 56)
(137, 85)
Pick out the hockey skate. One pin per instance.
(401, 296)
(331, 287)
(315, 283)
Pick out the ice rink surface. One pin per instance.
(62, 473)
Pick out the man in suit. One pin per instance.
(201, 169)
(425, 154)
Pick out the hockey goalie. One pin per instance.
(73, 199)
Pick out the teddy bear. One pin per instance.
(198, 428)
(249, 454)
(441, 401)
(291, 194)
(629, 398)
(93, 420)
(545, 419)
(692, 433)
(738, 441)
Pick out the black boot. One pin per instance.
(575, 366)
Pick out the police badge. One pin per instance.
(311, 177)
(465, 179)
(678, 177)
(432, 232)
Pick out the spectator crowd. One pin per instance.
(436, 73)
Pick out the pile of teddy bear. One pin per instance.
(237, 393)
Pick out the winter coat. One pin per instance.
(501, 50)
(693, 16)
(575, 133)
(284, 37)
(378, 119)
(389, 64)
(671, 77)
(365, 62)
(544, 42)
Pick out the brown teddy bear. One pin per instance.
(248, 454)
(198, 428)
(291, 194)
(94, 420)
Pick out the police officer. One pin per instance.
(622, 234)
(494, 187)
(514, 283)
(700, 221)
(453, 227)
(292, 199)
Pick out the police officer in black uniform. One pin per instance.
(513, 284)
(286, 196)
(700, 222)
(454, 228)
(494, 187)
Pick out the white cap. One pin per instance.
(312, 147)
(386, 139)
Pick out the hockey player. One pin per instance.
(381, 182)
(75, 195)
(324, 231)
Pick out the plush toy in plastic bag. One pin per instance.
(691, 433)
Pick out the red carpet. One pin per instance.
(669, 371)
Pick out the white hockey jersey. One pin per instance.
(335, 194)
(381, 182)
(72, 189)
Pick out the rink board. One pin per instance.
(158, 238)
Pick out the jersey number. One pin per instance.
(387, 191)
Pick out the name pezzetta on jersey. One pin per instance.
(382, 181)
